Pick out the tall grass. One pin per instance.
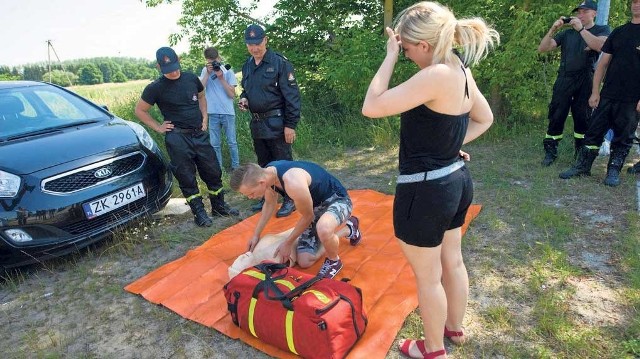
(319, 129)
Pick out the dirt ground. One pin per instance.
(76, 307)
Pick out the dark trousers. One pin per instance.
(271, 149)
(621, 117)
(188, 151)
(570, 92)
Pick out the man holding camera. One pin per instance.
(617, 104)
(220, 90)
(270, 92)
(580, 44)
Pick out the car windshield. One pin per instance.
(39, 109)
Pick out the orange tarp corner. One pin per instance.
(192, 285)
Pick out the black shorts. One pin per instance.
(423, 211)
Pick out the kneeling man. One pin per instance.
(321, 200)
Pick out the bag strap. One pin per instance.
(269, 286)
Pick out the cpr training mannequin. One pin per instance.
(264, 250)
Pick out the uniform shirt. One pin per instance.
(218, 102)
(177, 99)
(271, 86)
(323, 184)
(622, 80)
(573, 57)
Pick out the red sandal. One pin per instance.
(453, 334)
(404, 349)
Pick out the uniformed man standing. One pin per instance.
(270, 92)
(616, 104)
(181, 100)
(580, 44)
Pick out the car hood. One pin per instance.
(32, 154)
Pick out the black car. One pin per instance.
(70, 172)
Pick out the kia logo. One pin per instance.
(103, 172)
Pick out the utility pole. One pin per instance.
(602, 17)
(49, 49)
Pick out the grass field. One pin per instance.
(554, 265)
(112, 94)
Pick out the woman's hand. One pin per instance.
(393, 43)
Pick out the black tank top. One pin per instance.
(323, 184)
(430, 140)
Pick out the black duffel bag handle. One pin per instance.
(269, 286)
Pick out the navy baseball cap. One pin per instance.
(587, 4)
(254, 34)
(167, 59)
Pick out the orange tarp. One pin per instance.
(192, 285)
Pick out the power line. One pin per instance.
(49, 49)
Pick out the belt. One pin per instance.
(431, 175)
(186, 130)
(263, 115)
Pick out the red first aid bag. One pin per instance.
(295, 311)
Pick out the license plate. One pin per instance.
(113, 201)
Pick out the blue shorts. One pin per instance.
(339, 207)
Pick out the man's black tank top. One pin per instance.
(323, 184)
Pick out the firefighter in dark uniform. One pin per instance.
(579, 50)
(616, 104)
(270, 92)
(180, 98)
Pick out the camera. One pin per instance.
(566, 19)
(215, 65)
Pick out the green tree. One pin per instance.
(9, 77)
(90, 74)
(119, 77)
(108, 68)
(33, 72)
(59, 77)
(8, 74)
(337, 45)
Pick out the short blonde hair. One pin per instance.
(434, 23)
(247, 174)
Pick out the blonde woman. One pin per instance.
(441, 109)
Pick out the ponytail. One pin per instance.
(431, 22)
(475, 39)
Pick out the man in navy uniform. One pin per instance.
(270, 92)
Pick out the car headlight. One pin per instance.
(9, 184)
(142, 134)
(18, 235)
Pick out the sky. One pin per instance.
(84, 29)
(88, 28)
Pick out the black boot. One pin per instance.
(200, 216)
(258, 206)
(616, 161)
(550, 151)
(634, 169)
(220, 208)
(577, 143)
(287, 207)
(583, 164)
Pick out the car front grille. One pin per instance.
(94, 174)
(120, 215)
